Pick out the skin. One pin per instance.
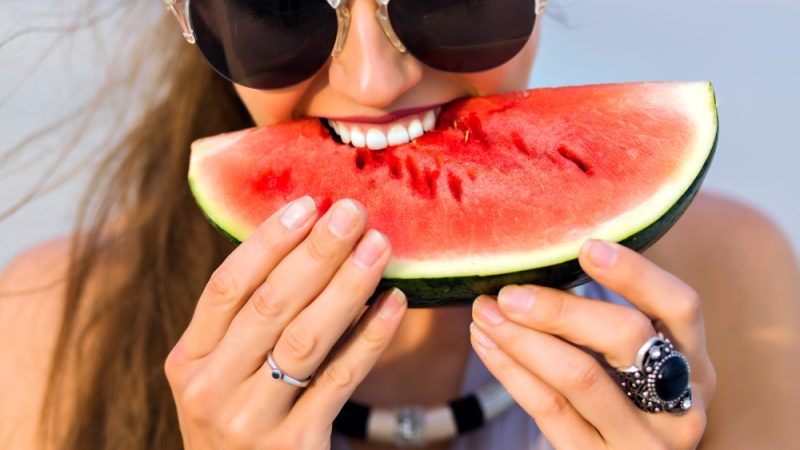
(296, 290)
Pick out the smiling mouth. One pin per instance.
(377, 136)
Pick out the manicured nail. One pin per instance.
(298, 213)
(489, 312)
(601, 254)
(344, 218)
(481, 337)
(391, 303)
(516, 299)
(371, 248)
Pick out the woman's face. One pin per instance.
(370, 78)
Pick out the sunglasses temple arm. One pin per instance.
(343, 19)
(183, 18)
(540, 6)
(382, 14)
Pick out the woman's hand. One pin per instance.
(530, 338)
(293, 288)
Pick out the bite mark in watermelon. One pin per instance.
(504, 190)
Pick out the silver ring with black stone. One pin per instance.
(658, 381)
(278, 374)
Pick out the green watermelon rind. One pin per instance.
(616, 230)
(229, 227)
(441, 283)
(461, 290)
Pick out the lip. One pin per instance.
(394, 115)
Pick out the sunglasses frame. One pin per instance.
(180, 10)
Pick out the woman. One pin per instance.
(170, 337)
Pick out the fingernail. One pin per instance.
(516, 299)
(298, 213)
(391, 303)
(489, 312)
(344, 218)
(481, 337)
(371, 248)
(601, 254)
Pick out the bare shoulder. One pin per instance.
(724, 246)
(746, 273)
(31, 303)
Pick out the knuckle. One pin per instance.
(694, 426)
(710, 381)
(222, 284)
(300, 340)
(338, 377)
(686, 305)
(265, 304)
(552, 404)
(634, 330)
(173, 367)
(319, 247)
(264, 239)
(373, 338)
(196, 402)
(583, 374)
(351, 287)
(239, 432)
(551, 311)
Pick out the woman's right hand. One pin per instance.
(293, 287)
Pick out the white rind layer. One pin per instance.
(699, 102)
(700, 106)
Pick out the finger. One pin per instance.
(571, 371)
(617, 332)
(242, 272)
(553, 413)
(289, 288)
(350, 363)
(659, 294)
(308, 339)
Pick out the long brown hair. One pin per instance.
(140, 256)
(139, 259)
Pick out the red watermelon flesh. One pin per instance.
(504, 184)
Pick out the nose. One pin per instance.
(369, 70)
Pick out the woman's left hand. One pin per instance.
(531, 339)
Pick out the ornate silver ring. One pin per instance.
(659, 378)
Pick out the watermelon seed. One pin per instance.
(423, 184)
(474, 125)
(454, 183)
(520, 144)
(395, 166)
(431, 176)
(569, 155)
(361, 159)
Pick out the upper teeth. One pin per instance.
(381, 135)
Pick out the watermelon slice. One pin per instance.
(504, 190)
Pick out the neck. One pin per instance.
(425, 362)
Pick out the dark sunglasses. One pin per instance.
(269, 44)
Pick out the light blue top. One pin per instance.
(514, 429)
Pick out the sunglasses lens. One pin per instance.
(264, 44)
(463, 35)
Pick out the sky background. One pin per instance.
(749, 50)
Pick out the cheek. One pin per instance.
(271, 107)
